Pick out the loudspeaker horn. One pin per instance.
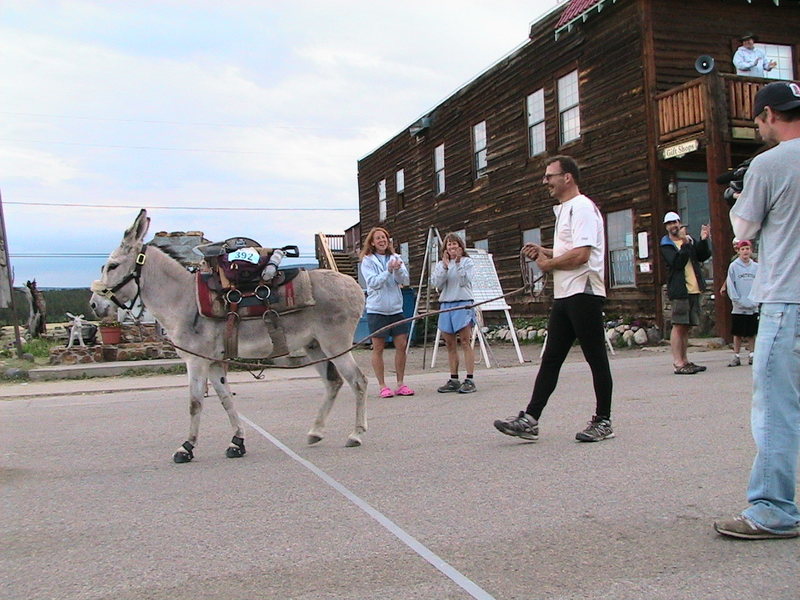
(704, 64)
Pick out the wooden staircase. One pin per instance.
(330, 254)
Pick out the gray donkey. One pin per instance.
(323, 330)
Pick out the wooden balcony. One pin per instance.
(684, 110)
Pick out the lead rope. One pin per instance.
(529, 284)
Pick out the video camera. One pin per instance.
(735, 180)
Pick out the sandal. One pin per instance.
(687, 369)
(386, 393)
(404, 390)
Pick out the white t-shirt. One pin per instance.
(578, 224)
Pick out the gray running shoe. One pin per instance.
(467, 387)
(743, 528)
(598, 429)
(452, 385)
(521, 426)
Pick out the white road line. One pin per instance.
(466, 584)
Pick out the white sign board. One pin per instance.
(485, 283)
(678, 150)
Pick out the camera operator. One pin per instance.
(770, 203)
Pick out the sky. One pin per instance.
(188, 107)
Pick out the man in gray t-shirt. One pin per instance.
(770, 203)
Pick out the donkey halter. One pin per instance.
(135, 275)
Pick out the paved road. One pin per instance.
(435, 505)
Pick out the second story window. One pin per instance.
(569, 111)
(479, 160)
(535, 110)
(782, 55)
(400, 186)
(382, 200)
(438, 169)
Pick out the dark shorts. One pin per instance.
(744, 325)
(686, 311)
(376, 322)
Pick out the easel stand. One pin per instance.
(433, 241)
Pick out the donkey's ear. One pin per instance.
(139, 228)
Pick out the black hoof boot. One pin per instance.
(185, 455)
(237, 449)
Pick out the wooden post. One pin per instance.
(718, 158)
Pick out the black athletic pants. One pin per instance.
(579, 316)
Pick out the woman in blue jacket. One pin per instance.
(384, 273)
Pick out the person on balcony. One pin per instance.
(749, 60)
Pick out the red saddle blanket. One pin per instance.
(295, 293)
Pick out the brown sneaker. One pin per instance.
(743, 528)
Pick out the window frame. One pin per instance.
(400, 188)
(536, 125)
(624, 244)
(779, 72)
(569, 111)
(439, 181)
(480, 156)
(382, 205)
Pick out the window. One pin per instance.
(404, 251)
(400, 186)
(438, 168)
(534, 236)
(382, 200)
(481, 244)
(781, 55)
(620, 248)
(568, 110)
(479, 149)
(535, 110)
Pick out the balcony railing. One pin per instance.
(682, 111)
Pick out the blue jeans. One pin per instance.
(775, 419)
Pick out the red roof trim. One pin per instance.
(575, 9)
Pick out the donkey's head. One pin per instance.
(118, 283)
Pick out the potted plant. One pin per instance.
(110, 331)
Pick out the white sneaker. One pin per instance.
(735, 362)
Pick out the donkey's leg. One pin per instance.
(219, 379)
(348, 368)
(197, 372)
(333, 383)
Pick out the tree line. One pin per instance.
(59, 302)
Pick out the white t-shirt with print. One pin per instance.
(578, 224)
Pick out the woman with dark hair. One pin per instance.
(453, 277)
(384, 273)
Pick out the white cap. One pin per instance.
(671, 216)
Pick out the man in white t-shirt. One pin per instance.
(576, 262)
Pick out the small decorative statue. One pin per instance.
(76, 330)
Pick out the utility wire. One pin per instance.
(226, 208)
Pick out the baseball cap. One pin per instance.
(780, 95)
(671, 216)
(741, 243)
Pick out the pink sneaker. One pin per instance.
(404, 390)
(386, 393)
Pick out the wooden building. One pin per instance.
(616, 85)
